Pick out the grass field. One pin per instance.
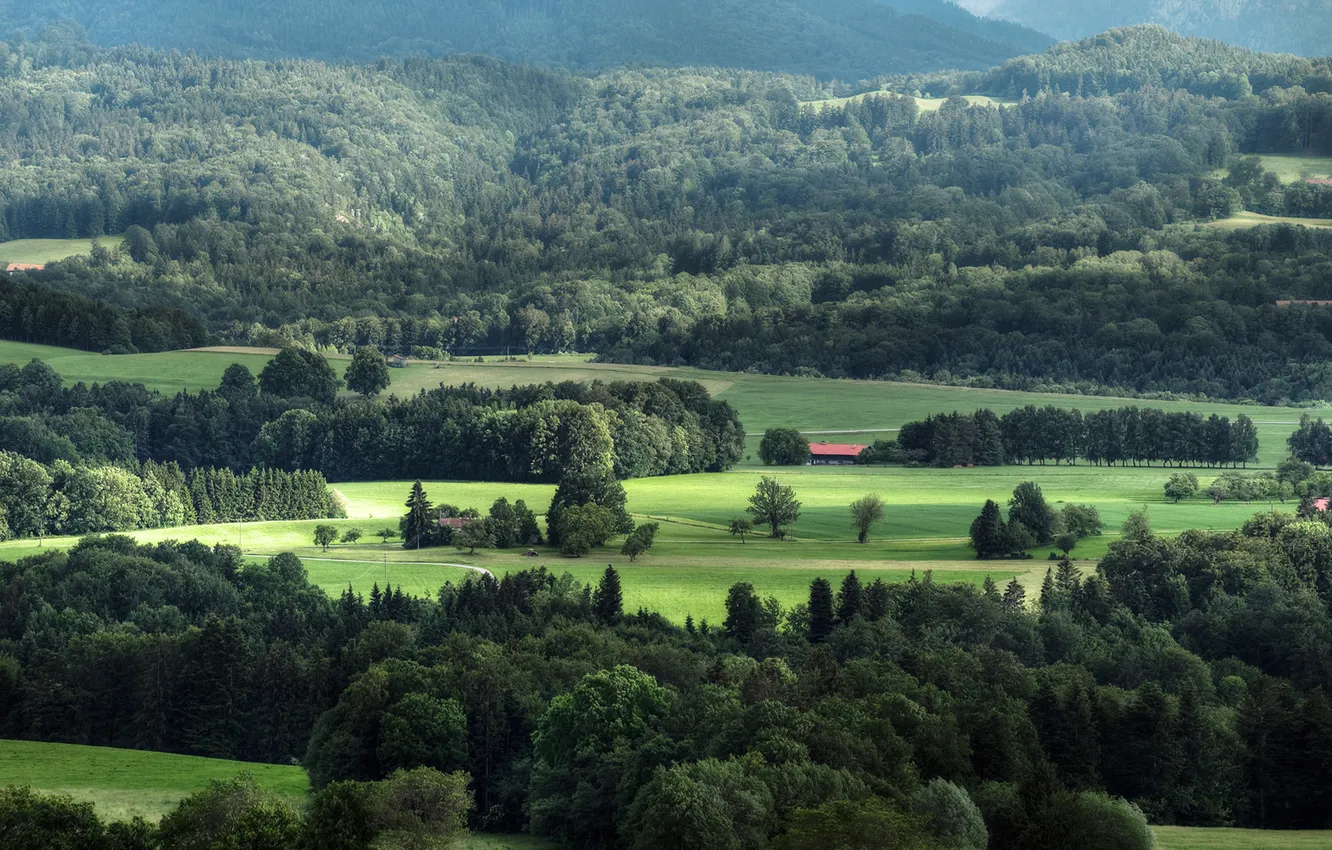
(1244, 220)
(1195, 838)
(1290, 167)
(126, 783)
(45, 251)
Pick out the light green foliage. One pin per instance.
(951, 815)
(325, 534)
(421, 808)
(706, 805)
(231, 814)
(783, 447)
(865, 512)
(472, 536)
(351, 535)
(1182, 485)
(640, 540)
(774, 504)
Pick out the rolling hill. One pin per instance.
(849, 39)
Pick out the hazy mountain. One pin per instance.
(1292, 26)
(850, 39)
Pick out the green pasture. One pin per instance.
(1204, 838)
(45, 251)
(1244, 220)
(1290, 167)
(126, 783)
(695, 559)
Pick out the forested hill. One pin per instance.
(848, 39)
(1294, 26)
(725, 219)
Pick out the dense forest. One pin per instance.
(1188, 676)
(700, 216)
(851, 39)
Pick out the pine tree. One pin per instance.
(820, 610)
(376, 603)
(416, 525)
(1015, 596)
(990, 589)
(1049, 596)
(849, 598)
(608, 600)
(989, 536)
(876, 601)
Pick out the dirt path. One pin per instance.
(471, 567)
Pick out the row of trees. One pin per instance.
(37, 501)
(1037, 435)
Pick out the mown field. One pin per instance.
(1243, 220)
(1290, 167)
(45, 251)
(1194, 838)
(123, 784)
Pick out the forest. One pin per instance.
(697, 216)
(1203, 657)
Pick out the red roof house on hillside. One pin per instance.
(834, 454)
(25, 267)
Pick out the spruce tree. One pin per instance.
(1028, 506)
(416, 525)
(989, 536)
(849, 598)
(990, 589)
(608, 599)
(1049, 600)
(1015, 596)
(876, 601)
(820, 610)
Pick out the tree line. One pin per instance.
(40, 501)
(1104, 437)
(291, 418)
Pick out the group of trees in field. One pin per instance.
(1030, 435)
(505, 526)
(291, 418)
(1181, 683)
(39, 501)
(1031, 522)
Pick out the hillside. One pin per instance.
(1287, 26)
(850, 39)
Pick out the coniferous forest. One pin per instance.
(851, 189)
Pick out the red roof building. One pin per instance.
(25, 267)
(453, 521)
(834, 454)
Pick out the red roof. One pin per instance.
(25, 267)
(1320, 505)
(453, 521)
(836, 449)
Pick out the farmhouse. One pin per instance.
(397, 361)
(25, 267)
(454, 522)
(834, 454)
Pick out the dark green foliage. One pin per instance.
(608, 599)
(325, 535)
(1029, 509)
(744, 612)
(864, 824)
(32, 821)
(235, 813)
(418, 526)
(298, 373)
(783, 447)
(989, 533)
(850, 599)
(640, 540)
(368, 373)
(701, 806)
(821, 618)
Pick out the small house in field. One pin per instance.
(25, 267)
(397, 361)
(834, 454)
(454, 522)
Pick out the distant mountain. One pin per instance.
(1288, 26)
(849, 39)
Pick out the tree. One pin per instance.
(1065, 542)
(1182, 485)
(869, 824)
(418, 526)
(1015, 595)
(1082, 520)
(951, 815)
(584, 527)
(820, 610)
(743, 612)
(703, 805)
(850, 599)
(774, 504)
(351, 535)
(639, 541)
(325, 535)
(230, 814)
(608, 599)
(989, 535)
(1137, 528)
(865, 512)
(386, 534)
(783, 447)
(297, 373)
(472, 536)
(740, 526)
(368, 373)
(422, 808)
(1028, 507)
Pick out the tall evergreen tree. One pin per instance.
(1028, 507)
(418, 525)
(989, 535)
(820, 610)
(850, 598)
(608, 599)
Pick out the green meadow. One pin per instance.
(1244, 220)
(45, 251)
(123, 784)
(925, 104)
(1290, 167)
(1204, 838)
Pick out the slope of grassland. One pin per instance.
(126, 783)
(1203, 838)
(1290, 167)
(1245, 220)
(43, 251)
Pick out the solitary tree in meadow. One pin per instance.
(774, 504)
(386, 534)
(740, 526)
(351, 535)
(865, 512)
(325, 535)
